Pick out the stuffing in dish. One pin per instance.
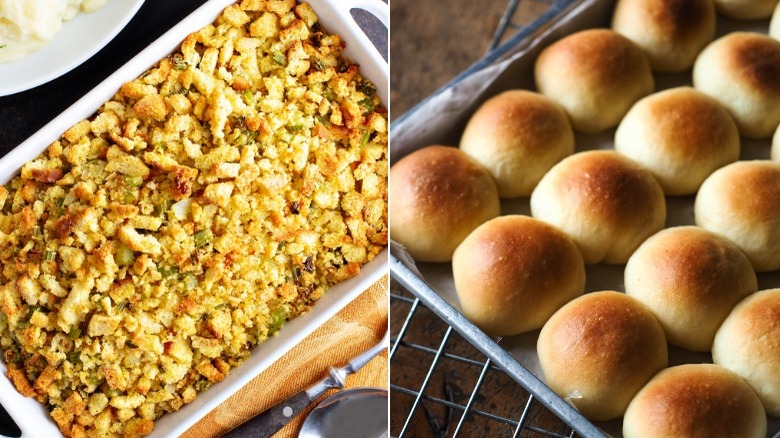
(213, 198)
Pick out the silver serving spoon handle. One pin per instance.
(270, 421)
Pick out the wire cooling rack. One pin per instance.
(462, 393)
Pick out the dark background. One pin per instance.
(434, 40)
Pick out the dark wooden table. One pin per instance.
(430, 43)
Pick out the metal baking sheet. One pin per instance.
(30, 415)
(441, 118)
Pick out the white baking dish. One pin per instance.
(441, 118)
(31, 416)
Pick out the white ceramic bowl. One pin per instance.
(79, 39)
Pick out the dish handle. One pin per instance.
(377, 8)
(8, 427)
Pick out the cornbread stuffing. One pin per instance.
(213, 198)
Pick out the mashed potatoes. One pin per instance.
(27, 25)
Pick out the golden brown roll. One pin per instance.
(596, 75)
(742, 202)
(599, 350)
(748, 343)
(774, 24)
(518, 136)
(745, 9)
(740, 71)
(695, 400)
(513, 272)
(606, 202)
(691, 279)
(681, 135)
(671, 32)
(776, 145)
(438, 196)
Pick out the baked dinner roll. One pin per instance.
(776, 145)
(774, 25)
(518, 136)
(741, 71)
(439, 195)
(742, 202)
(596, 75)
(671, 32)
(745, 9)
(690, 278)
(605, 201)
(680, 135)
(748, 343)
(599, 350)
(513, 272)
(695, 400)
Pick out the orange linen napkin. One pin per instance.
(356, 328)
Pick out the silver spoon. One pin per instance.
(352, 413)
(270, 421)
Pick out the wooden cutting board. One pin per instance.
(355, 329)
